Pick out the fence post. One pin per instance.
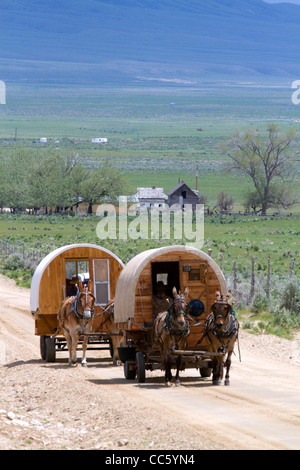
(252, 280)
(268, 280)
(234, 278)
(292, 268)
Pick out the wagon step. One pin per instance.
(195, 353)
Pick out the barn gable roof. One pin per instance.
(181, 186)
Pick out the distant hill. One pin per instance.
(98, 41)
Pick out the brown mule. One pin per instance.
(171, 329)
(221, 329)
(75, 318)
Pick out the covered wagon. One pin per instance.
(136, 305)
(57, 276)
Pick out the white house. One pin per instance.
(99, 140)
(151, 197)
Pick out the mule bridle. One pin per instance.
(91, 310)
(183, 331)
(231, 328)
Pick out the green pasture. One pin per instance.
(156, 135)
(231, 238)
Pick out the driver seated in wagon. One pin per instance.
(160, 301)
(72, 286)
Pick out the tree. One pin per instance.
(105, 183)
(252, 201)
(267, 160)
(39, 178)
(14, 170)
(66, 179)
(225, 201)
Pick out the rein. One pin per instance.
(105, 310)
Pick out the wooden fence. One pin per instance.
(23, 252)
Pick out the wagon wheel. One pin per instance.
(129, 370)
(140, 365)
(111, 348)
(43, 347)
(50, 355)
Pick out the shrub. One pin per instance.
(260, 303)
(13, 263)
(284, 319)
(290, 297)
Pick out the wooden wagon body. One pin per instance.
(55, 279)
(178, 266)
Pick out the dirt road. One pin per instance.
(50, 406)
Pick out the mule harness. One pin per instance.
(230, 331)
(182, 332)
(74, 308)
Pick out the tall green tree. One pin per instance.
(15, 167)
(267, 158)
(39, 178)
(104, 184)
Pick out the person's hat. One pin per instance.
(74, 280)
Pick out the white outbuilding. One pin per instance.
(99, 140)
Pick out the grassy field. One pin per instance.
(230, 238)
(152, 133)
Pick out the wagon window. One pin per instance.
(194, 274)
(101, 281)
(71, 269)
(162, 277)
(198, 274)
(76, 270)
